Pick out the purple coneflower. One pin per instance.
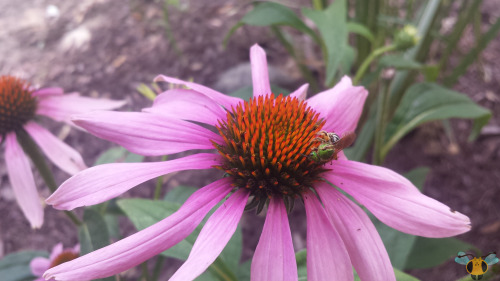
(58, 256)
(264, 145)
(19, 105)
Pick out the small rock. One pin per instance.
(78, 39)
(52, 12)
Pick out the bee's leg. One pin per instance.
(473, 277)
(479, 277)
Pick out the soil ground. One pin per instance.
(106, 48)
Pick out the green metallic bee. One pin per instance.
(330, 145)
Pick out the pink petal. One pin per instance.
(61, 107)
(38, 265)
(274, 257)
(213, 237)
(61, 154)
(396, 201)
(260, 74)
(56, 251)
(220, 98)
(340, 106)
(103, 182)
(23, 184)
(146, 243)
(327, 257)
(300, 93)
(366, 249)
(145, 133)
(187, 105)
(48, 92)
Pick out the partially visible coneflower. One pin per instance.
(274, 151)
(58, 256)
(19, 105)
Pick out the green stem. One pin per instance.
(156, 271)
(31, 149)
(318, 5)
(381, 123)
(159, 182)
(465, 17)
(145, 272)
(472, 55)
(366, 63)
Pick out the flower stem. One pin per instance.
(366, 63)
(31, 149)
(159, 182)
(156, 271)
(381, 123)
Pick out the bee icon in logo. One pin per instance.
(476, 267)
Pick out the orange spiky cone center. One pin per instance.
(267, 143)
(17, 106)
(63, 257)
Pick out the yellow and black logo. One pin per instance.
(476, 267)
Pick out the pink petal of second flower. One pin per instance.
(61, 154)
(365, 247)
(100, 183)
(56, 251)
(274, 257)
(187, 105)
(145, 133)
(340, 106)
(260, 73)
(23, 184)
(220, 98)
(396, 201)
(38, 265)
(48, 92)
(62, 107)
(213, 237)
(327, 256)
(146, 243)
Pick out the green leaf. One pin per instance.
(357, 28)
(363, 142)
(399, 62)
(426, 102)
(93, 233)
(429, 252)
(301, 258)
(332, 25)
(144, 213)
(270, 13)
(401, 276)
(431, 72)
(16, 266)
(399, 245)
(117, 154)
(179, 194)
(417, 176)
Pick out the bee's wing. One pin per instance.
(462, 258)
(346, 140)
(491, 259)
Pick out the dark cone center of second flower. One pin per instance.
(17, 106)
(267, 143)
(63, 257)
